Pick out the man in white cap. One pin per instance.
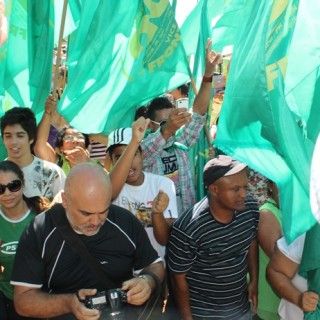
(213, 246)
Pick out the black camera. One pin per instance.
(114, 299)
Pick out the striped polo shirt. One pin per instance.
(214, 257)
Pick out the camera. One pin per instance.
(114, 299)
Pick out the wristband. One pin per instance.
(145, 277)
(153, 276)
(207, 79)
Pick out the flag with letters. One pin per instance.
(259, 125)
(134, 57)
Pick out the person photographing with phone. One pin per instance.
(174, 131)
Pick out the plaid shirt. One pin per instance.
(184, 138)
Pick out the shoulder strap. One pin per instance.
(78, 247)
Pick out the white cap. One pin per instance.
(119, 136)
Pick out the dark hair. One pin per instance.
(184, 88)
(140, 112)
(111, 148)
(61, 133)
(156, 105)
(35, 204)
(23, 116)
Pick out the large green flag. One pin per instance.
(224, 18)
(257, 125)
(303, 93)
(26, 55)
(199, 154)
(14, 57)
(219, 21)
(131, 53)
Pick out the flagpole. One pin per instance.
(58, 60)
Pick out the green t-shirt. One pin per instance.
(268, 301)
(10, 232)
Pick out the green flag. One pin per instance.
(26, 55)
(257, 124)
(303, 93)
(135, 56)
(40, 51)
(13, 66)
(219, 21)
(224, 19)
(199, 154)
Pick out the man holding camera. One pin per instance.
(52, 281)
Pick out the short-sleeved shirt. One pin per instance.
(43, 179)
(44, 260)
(214, 257)
(10, 232)
(293, 251)
(139, 199)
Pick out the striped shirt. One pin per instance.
(214, 257)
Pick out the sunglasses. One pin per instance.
(13, 186)
(161, 123)
(78, 137)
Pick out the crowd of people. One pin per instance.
(74, 226)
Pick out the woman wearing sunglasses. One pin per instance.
(71, 146)
(16, 211)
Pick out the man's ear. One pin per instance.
(150, 126)
(31, 141)
(64, 199)
(213, 189)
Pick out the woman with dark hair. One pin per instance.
(16, 211)
(70, 146)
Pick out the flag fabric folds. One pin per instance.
(310, 264)
(135, 56)
(257, 125)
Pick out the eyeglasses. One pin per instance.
(161, 123)
(70, 137)
(13, 186)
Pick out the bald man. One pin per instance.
(49, 278)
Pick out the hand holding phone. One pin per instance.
(182, 103)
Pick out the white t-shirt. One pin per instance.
(138, 200)
(43, 178)
(288, 310)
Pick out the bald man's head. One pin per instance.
(87, 197)
(87, 175)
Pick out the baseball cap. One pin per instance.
(119, 136)
(221, 166)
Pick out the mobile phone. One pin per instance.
(182, 103)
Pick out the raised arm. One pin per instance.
(119, 172)
(202, 99)
(161, 225)
(42, 148)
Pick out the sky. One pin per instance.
(183, 9)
